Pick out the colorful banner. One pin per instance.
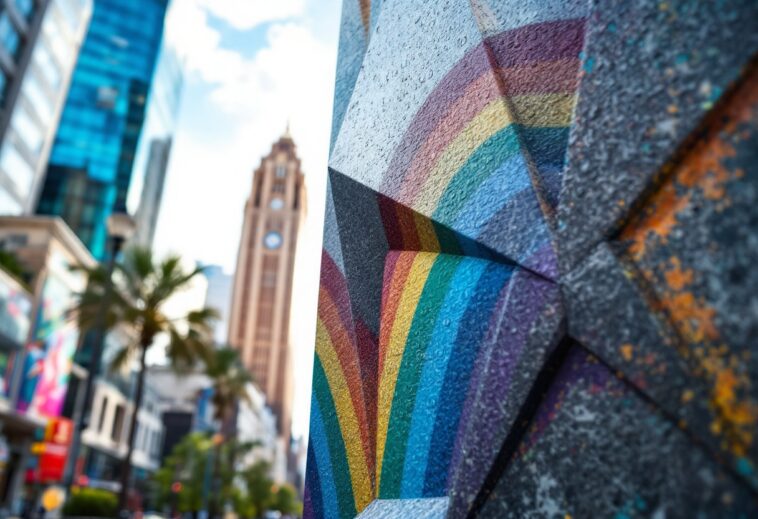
(52, 452)
(47, 366)
(15, 310)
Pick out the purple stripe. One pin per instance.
(481, 434)
(545, 41)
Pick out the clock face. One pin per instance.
(272, 240)
(276, 203)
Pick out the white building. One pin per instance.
(108, 433)
(38, 51)
(256, 422)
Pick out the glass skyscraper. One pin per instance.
(151, 163)
(39, 44)
(91, 164)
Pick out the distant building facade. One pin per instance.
(260, 313)
(106, 439)
(154, 150)
(219, 297)
(39, 45)
(186, 407)
(90, 168)
(38, 343)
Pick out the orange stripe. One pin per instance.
(403, 264)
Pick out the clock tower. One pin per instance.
(260, 312)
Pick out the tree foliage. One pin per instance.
(251, 491)
(133, 300)
(188, 464)
(90, 502)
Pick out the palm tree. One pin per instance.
(135, 298)
(229, 380)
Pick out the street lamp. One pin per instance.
(120, 227)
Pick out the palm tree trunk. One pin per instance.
(126, 465)
(217, 485)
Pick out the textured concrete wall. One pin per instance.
(537, 295)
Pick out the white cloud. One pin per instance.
(247, 14)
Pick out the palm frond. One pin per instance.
(124, 358)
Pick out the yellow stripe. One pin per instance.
(351, 434)
(493, 118)
(544, 110)
(422, 264)
(426, 234)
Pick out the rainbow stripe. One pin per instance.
(340, 408)
(435, 314)
(467, 153)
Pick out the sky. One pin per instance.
(251, 66)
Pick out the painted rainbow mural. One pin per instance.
(536, 282)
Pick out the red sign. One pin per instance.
(52, 452)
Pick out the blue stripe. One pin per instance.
(437, 355)
(321, 452)
(504, 183)
(471, 335)
(313, 485)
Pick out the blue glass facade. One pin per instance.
(91, 164)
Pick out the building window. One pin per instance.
(26, 128)
(281, 171)
(8, 205)
(3, 84)
(46, 65)
(8, 35)
(25, 8)
(101, 419)
(118, 423)
(107, 97)
(17, 169)
(37, 98)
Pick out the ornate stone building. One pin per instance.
(260, 313)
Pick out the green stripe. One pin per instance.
(447, 238)
(340, 469)
(404, 399)
(482, 163)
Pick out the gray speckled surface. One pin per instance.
(651, 71)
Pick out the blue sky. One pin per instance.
(252, 65)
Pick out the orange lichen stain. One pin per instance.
(659, 220)
(676, 278)
(701, 175)
(692, 316)
(736, 413)
(627, 351)
(704, 168)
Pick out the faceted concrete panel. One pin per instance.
(595, 449)
(651, 71)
